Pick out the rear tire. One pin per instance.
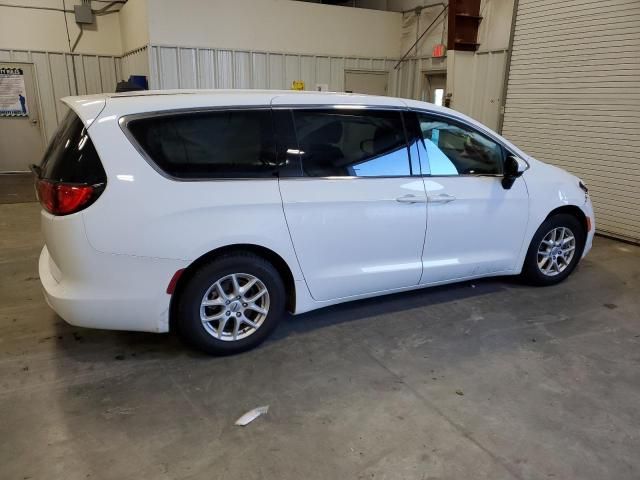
(231, 304)
(555, 250)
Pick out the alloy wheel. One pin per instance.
(234, 307)
(556, 251)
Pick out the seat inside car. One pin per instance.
(324, 155)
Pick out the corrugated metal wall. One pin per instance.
(179, 67)
(54, 78)
(135, 62)
(475, 80)
(573, 99)
(409, 75)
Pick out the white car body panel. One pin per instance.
(352, 236)
(479, 233)
(549, 187)
(109, 265)
(99, 290)
(168, 211)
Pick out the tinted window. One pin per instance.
(288, 153)
(416, 144)
(237, 144)
(71, 156)
(352, 143)
(454, 149)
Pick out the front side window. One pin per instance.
(341, 143)
(454, 149)
(220, 144)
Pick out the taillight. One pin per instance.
(63, 198)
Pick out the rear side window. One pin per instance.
(352, 143)
(221, 144)
(71, 156)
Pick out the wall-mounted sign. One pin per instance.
(13, 97)
(297, 85)
(438, 50)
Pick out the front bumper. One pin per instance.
(588, 211)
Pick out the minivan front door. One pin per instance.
(476, 227)
(357, 215)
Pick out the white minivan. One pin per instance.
(212, 212)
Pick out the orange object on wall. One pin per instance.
(438, 50)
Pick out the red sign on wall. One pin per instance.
(438, 50)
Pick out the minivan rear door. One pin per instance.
(356, 209)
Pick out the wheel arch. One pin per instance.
(574, 211)
(274, 258)
(571, 209)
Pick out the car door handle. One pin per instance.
(441, 198)
(411, 199)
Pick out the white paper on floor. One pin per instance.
(251, 415)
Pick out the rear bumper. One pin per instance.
(118, 292)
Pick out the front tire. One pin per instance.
(555, 250)
(231, 304)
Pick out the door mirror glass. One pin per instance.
(523, 165)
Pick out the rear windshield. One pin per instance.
(71, 156)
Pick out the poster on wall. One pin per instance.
(13, 98)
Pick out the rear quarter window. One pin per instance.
(71, 156)
(220, 144)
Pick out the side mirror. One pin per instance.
(514, 167)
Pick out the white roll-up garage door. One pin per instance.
(573, 99)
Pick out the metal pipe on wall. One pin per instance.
(444, 9)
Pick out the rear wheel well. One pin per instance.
(272, 257)
(574, 211)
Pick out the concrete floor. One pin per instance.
(17, 188)
(487, 380)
